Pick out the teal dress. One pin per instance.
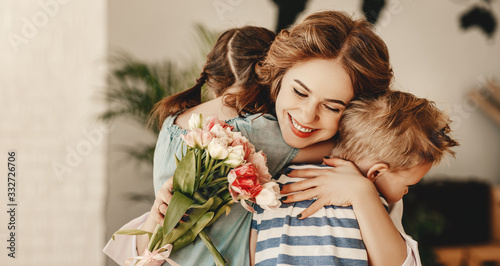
(230, 233)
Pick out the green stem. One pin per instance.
(199, 198)
(219, 260)
(207, 172)
(220, 179)
(198, 169)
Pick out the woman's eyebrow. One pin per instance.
(309, 91)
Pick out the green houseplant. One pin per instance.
(135, 86)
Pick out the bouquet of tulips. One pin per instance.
(219, 167)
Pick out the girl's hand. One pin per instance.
(339, 186)
(160, 204)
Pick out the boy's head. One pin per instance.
(394, 139)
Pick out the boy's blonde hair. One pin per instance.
(396, 128)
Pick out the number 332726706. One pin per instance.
(11, 176)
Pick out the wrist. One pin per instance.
(366, 192)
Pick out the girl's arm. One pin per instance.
(156, 215)
(344, 185)
(253, 245)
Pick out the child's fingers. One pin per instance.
(162, 208)
(313, 208)
(157, 217)
(165, 192)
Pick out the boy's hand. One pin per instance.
(339, 186)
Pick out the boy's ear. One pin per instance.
(377, 170)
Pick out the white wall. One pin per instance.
(50, 76)
(433, 57)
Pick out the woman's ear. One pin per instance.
(377, 170)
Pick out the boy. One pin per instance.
(393, 139)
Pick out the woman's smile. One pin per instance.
(299, 130)
(312, 97)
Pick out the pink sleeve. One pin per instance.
(412, 254)
(124, 246)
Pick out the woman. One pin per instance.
(349, 60)
(348, 52)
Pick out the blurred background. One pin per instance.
(77, 79)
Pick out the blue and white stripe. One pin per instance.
(331, 236)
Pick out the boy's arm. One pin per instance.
(253, 246)
(384, 244)
(413, 255)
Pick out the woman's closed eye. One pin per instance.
(333, 109)
(299, 94)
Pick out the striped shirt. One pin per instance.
(329, 237)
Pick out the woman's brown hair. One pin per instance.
(331, 35)
(231, 62)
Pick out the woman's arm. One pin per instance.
(314, 153)
(344, 185)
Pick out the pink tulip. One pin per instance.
(248, 148)
(259, 160)
(197, 138)
(243, 180)
(235, 157)
(218, 149)
(268, 198)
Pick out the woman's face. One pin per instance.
(312, 97)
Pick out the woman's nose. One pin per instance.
(309, 113)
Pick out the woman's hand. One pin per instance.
(161, 202)
(339, 186)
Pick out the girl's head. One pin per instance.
(230, 63)
(348, 60)
(232, 60)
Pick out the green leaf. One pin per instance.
(193, 232)
(183, 241)
(224, 209)
(197, 212)
(185, 175)
(176, 160)
(154, 241)
(217, 203)
(219, 260)
(134, 232)
(179, 204)
(202, 222)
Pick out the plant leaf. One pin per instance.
(157, 237)
(185, 174)
(179, 204)
(193, 232)
(219, 260)
(134, 232)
